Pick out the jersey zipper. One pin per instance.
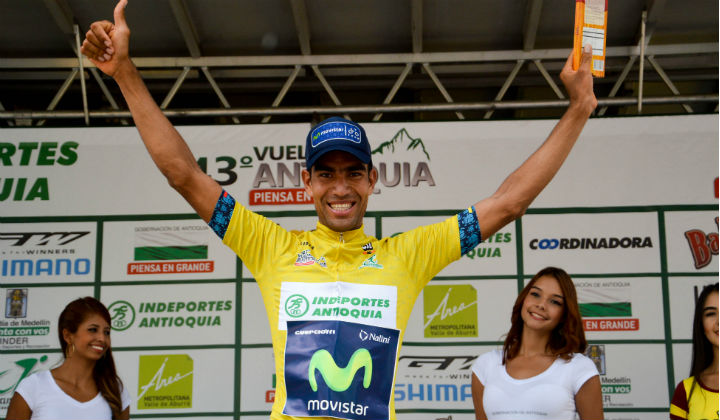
(341, 241)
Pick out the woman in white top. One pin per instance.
(541, 372)
(86, 385)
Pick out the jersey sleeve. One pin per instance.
(27, 388)
(428, 249)
(254, 238)
(679, 403)
(482, 366)
(583, 369)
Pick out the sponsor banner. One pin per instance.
(257, 379)
(683, 292)
(184, 314)
(16, 367)
(305, 224)
(178, 381)
(61, 171)
(317, 385)
(47, 252)
(427, 165)
(369, 304)
(631, 375)
(592, 243)
(449, 312)
(30, 315)
(619, 308)
(692, 241)
(431, 377)
(164, 250)
(497, 255)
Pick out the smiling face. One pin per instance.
(710, 318)
(91, 340)
(340, 185)
(544, 305)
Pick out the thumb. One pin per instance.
(119, 13)
(586, 54)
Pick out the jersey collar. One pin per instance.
(347, 236)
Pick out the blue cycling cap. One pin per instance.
(336, 133)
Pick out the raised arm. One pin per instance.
(515, 194)
(106, 45)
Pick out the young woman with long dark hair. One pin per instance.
(85, 385)
(696, 397)
(541, 372)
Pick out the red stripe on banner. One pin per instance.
(279, 196)
(611, 324)
(174, 267)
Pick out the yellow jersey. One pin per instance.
(338, 304)
(702, 404)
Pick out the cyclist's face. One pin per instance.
(340, 185)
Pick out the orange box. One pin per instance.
(591, 28)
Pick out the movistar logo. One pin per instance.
(339, 379)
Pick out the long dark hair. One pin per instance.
(567, 337)
(702, 351)
(104, 373)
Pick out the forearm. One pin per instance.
(166, 147)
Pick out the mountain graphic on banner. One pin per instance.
(399, 138)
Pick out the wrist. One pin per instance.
(125, 70)
(584, 106)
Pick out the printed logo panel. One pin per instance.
(496, 255)
(450, 311)
(161, 316)
(366, 303)
(436, 377)
(175, 382)
(164, 250)
(339, 369)
(16, 367)
(455, 316)
(47, 252)
(30, 314)
(684, 292)
(167, 381)
(692, 241)
(619, 308)
(592, 243)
